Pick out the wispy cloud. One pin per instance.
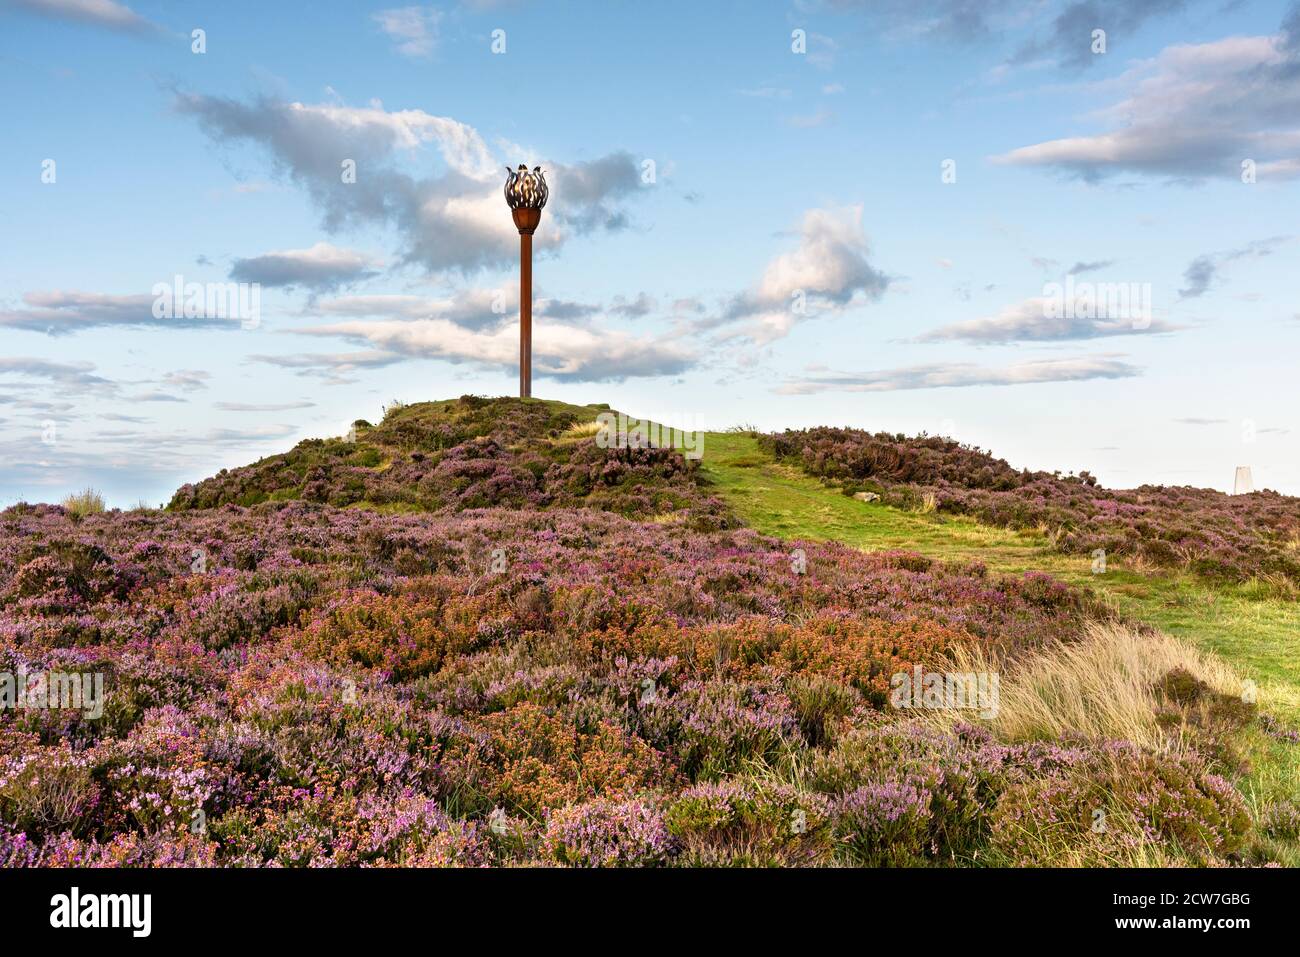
(320, 268)
(77, 375)
(99, 13)
(262, 406)
(1065, 38)
(1203, 271)
(190, 380)
(561, 351)
(59, 313)
(1194, 111)
(334, 368)
(1044, 320)
(473, 308)
(154, 396)
(415, 29)
(1079, 268)
(808, 121)
(642, 305)
(963, 375)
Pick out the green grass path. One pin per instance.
(1259, 635)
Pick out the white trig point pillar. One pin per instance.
(1243, 482)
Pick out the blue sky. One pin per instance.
(775, 213)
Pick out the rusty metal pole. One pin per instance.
(525, 315)
(526, 221)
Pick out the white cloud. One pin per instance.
(460, 144)
(808, 121)
(78, 375)
(828, 271)
(1066, 39)
(470, 308)
(333, 368)
(190, 380)
(1194, 111)
(102, 13)
(964, 374)
(1041, 319)
(560, 351)
(414, 28)
(262, 406)
(1203, 271)
(473, 308)
(57, 313)
(318, 267)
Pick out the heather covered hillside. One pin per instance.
(467, 453)
(472, 636)
(1222, 537)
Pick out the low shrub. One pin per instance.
(884, 824)
(712, 729)
(606, 833)
(1116, 802)
(49, 790)
(527, 761)
(739, 823)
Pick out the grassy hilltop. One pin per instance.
(462, 454)
(468, 635)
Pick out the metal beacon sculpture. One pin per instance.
(526, 194)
